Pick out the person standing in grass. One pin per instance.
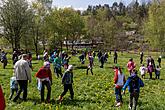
(44, 78)
(102, 61)
(4, 59)
(57, 66)
(141, 57)
(119, 81)
(143, 70)
(67, 81)
(13, 86)
(159, 60)
(115, 57)
(134, 83)
(23, 74)
(157, 72)
(131, 65)
(90, 66)
(2, 100)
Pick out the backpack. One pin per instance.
(134, 84)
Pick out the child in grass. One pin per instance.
(13, 86)
(157, 72)
(67, 81)
(134, 83)
(143, 70)
(119, 81)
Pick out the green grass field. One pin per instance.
(91, 92)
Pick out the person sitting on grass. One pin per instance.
(67, 81)
(157, 72)
(13, 86)
(143, 70)
(119, 81)
(134, 83)
(44, 78)
(2, 100)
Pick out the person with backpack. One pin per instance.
(67, 81)
(119, 81)
(44, 78)
(131, 65)
(2, 100)
(134, 83)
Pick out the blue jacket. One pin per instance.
(140, 84)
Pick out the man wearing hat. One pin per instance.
(67, 81)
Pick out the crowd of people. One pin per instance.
(23, 66)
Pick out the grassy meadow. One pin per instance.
(91, 92)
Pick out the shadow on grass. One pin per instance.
(76, 102)
(8, 68)
(2, 74)
(81, 67)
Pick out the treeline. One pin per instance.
(136, 26)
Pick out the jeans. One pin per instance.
(118, 94)
(12, 92)
(23, 87)
(133, 100)
(58, 71)
(48, 86)
(115, 60)
(66, 87)
(89, 68)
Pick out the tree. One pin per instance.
(154, 28)
(15, 17)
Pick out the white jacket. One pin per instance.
(22, 70)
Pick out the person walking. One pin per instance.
(13, 86)
(115, 57)
(67, 81)
(23, 74)
(131, 65)
(159, 60)
(119, 81)
(90, 66)
(134, 83)
(4, 59)
(57, 66)
(141, 57)
(44, 78)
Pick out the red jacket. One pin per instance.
(131, 65)
(44, 73)
(2, 100)
(116, 79)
